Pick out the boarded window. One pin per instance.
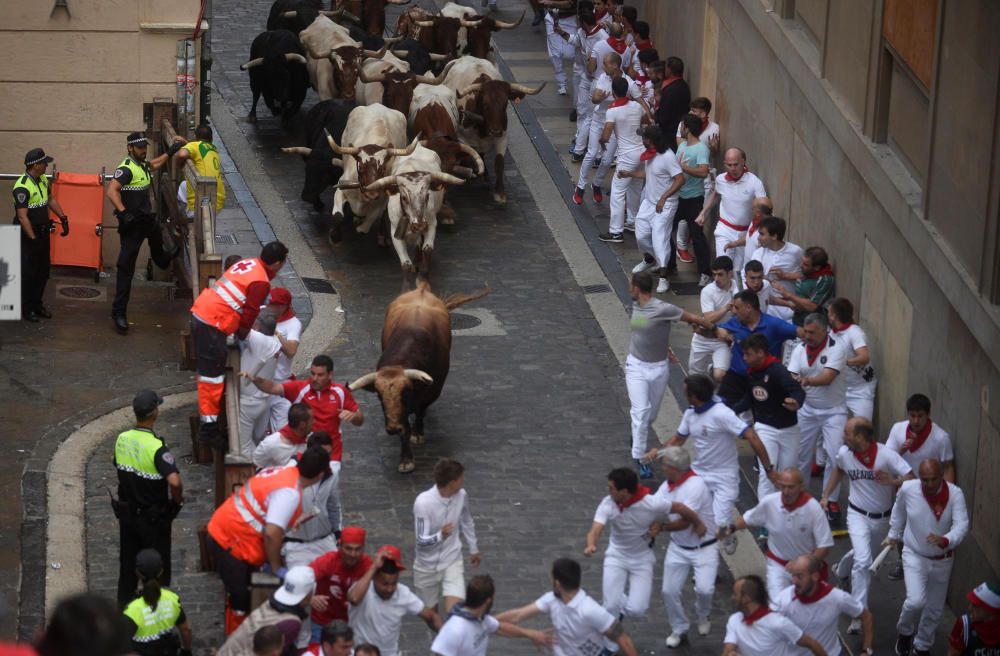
(909, 27)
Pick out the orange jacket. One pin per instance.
(238, 524)
(230, 303)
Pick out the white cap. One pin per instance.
(300, 582)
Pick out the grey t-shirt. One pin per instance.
(651, 329)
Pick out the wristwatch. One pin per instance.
(868, 650)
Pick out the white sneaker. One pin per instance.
(675, 639)
(704, 627)
(663, 286)
(705, 280)
(855, 626)
(562, 90)
(642, 266)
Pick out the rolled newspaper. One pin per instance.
(880, 558)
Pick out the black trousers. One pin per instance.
(34, 268)
(138, 533)
(688, 210)
(235, 575)
(143, 228)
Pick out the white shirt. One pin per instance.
(786, 258)
(694, 494)
(791, 533)
(256, 350)
(627, 119)
(584, 44)
(866, 493)
(602, 48)
(706, 135)
(715, 298)
(715, 432)
(629, 528)
(914, 511)
(826, 397)
(771, 635)
(431, 512)
(937, 445)
(377, 621)
(291, 330)
(764, 295)
(580, 625)
(464, 637)
(737, 197)
(603, 83)
(860, 378)
(660, 172)
(818, 619)
(281, 506)
(273, 451)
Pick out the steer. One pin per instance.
(277, 70)
(482, 97)
(416, 55)
(370, 142)
(416, 356)
(394, 88)
(368, 90)
(373, 14)
(434, 115)
(479, 35)
(323, 166)
(296, 15)
(334, 58)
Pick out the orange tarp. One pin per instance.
(81, 196)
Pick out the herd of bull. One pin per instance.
(400, 117)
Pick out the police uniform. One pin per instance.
(144, 509)
(155, 624)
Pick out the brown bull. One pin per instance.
(416, 354)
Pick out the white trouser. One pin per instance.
(594, 151)
(723, 235)
(303, 553)
(676, 566)
(828, 422)
(637, 573)
(926, 588)
(725, 487)
(646, 383)
(182, 199)
(254, 418)
(708, 354)
(558, 47)
(861, 402)
(866, 536)
(584, 112)
(625, 191)
(778, 579)
(652, 229)
(782, 446)
(279, 412)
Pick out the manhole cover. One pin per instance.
(596, 289)
(461, 321)
(79, 292)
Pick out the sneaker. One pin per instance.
(644, 470)
(662, 286)
(562, 90)
(897, 573)
(572, 115)
(675, 639)
(842, 568)
(578, 157)
(571, 149)
(612, 237)
(704, 280)
(815, 471)
(643, 265)
(630, 227)
(704, 627)
(598, 194)
(578, 196)
(833, 512)
(854, 628)
(904, 643)
(685, 256)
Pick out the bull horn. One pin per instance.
(376, 54)
(295, 57)
(480, 167)
(438, 57)
(520, 88)
(345, 186)
(380, 184)
(472, 88)
(348, 150)
(509, 26)
(417, 374)
(404, 152)
(402, 54)
(369, 80)
(331, 13)
(392, 39)
(446, 178)
(346, 15)
(289, 14)
(363, 382)
(468, 23)
(424, 23)
(472, 116)
(336, 161)
(298, 150)
(253, 62)
(464, 170)
(427, 79)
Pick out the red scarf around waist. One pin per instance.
(939, 501)
(918, 439)
(676, 484)
(618, 45)
(825, 270)
(768, 361)
(821, 590)
(648, 154)
(640, 494)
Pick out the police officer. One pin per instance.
(129, 194)
(149, 493)
(31, 207)
(156, 614)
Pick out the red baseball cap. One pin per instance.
(392, 553)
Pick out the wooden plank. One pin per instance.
(909, 26)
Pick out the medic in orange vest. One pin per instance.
(247, 530)
(229, 306)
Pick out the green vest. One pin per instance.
(140, 175)
(135, 451)
(154, 624)
(38, 198)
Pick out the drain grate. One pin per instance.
(227, 238)
(79, 292)
(319, 286)
(596, 289)
(685, 288)
(460, 321)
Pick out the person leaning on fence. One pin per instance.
(137, 221)
(205, 157)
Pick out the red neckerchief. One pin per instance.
(596, 29)
(287, 432)
(644, 45)
(648, 154)
(868, 457)
(756, 615)
(730, 178)
(938, 501)
(918, 438)
(843, 327)
(754, 222)
(667, 81)
(676, 484)
(704, 124)
(821, 590)
(768, 361)
(601, 14)
(618, 45)
(640, 493)
(641, 79)
(619, 102)
(825, 270)
(801, 501)
(813, 352)
(287, 314)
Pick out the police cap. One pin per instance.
(36, 155)
(145, 402)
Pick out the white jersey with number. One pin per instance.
(826, 397)
(714, 431)
(818, 618)
(867, 493)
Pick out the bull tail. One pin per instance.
(455, 300)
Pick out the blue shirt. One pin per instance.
(692, 157)
(775, 329)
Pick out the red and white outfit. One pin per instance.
(860, 379)
(926, 567)
(583, 42)
(870, 504)
(609, 45)
(735, 211)
(818, 614)
(652, 229)
(932, 442)
(687, 550)
(625, 116)
(824, 412)
(708, 353)
(326, 405)
(597, 121)
(333, 580)
(764, 633)
(787, 258)
(258, 354)
(291, 330)
(792, 531)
